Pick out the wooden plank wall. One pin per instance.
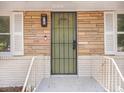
(90, 27)
(34, 42)
(90, 33)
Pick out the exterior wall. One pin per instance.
(120, 62)
(90, 27)
(13, 70)
(84, 65)
(90, 33)
(34, 43)
(97, 70)
(89, 65)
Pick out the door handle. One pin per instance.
(74, 44)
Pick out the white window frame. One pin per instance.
(111, 52)
(17, 52)
(10, 15)
(116, 33)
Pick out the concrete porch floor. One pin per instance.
(69, 84)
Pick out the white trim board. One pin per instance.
(61, 5)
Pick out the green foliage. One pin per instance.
(4, 28)
(4, 43)
(121, 42)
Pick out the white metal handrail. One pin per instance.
(116, 66)
(35, 73)
(108, 74)
(28, 73)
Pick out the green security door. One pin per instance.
(64, 43)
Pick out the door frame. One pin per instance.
(76, 41)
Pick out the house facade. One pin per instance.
(67, 35)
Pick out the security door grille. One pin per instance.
(64, 43)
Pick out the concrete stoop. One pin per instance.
(69, 84)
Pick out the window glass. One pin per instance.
(120, 42)
(4, 33)
(4, 43)
(120, 21)
(4, 24)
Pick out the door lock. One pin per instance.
(74, 44)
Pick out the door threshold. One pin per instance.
(64, 76)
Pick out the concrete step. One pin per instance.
(69, 84)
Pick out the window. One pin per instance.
(4, 34)
(120, 32)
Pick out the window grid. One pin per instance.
(5, 36)
(119, 32)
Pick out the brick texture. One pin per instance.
(90, 27)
